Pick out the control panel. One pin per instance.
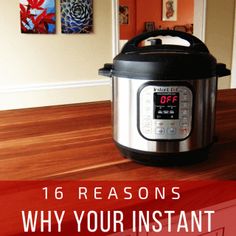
(165, 112)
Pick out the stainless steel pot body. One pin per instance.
(127, 102)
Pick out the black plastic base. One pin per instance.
(164, 159)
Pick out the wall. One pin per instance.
(40, 70)
(151, 10)
(127, 31)
(219, 33)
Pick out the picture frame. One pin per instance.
(123, 15)
(76, 16)
(149, 26)
(169, 10)
(38, 17)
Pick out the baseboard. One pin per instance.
(38, 95)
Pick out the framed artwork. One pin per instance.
(76, 16)
(149, 26)
(124, 15)
(181, 28)
(38, 16)
(169, 10)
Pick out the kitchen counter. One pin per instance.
(75, 142)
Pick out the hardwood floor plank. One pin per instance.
(75, 142)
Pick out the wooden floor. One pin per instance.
(75, 142)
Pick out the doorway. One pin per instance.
(199, 20)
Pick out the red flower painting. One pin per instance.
(37, 16)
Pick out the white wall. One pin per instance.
(41, 70)
(219, 33)
(233, 74)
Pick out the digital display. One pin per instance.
(166, 106)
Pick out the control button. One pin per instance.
(184, 104)
(172, 112)
(166, 112)
(147, 119)
(184, 131)
(184, 112)
(185, 119)
(160, 112)
(147, 124)
(147, 130)
(148, 109)
(158, 123)
(184, 124)
(171, 131)
(148, 102)
(160, 131)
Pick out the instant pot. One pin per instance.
(164, 99)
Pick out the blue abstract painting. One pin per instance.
(76, 16)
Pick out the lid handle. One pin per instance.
(195, 43)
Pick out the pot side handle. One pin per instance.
(106, 70)
(221, 70)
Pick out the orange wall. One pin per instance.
(151, 10)
(129, 30)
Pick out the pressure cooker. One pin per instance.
(164, 99)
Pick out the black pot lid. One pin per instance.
(165, 62)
